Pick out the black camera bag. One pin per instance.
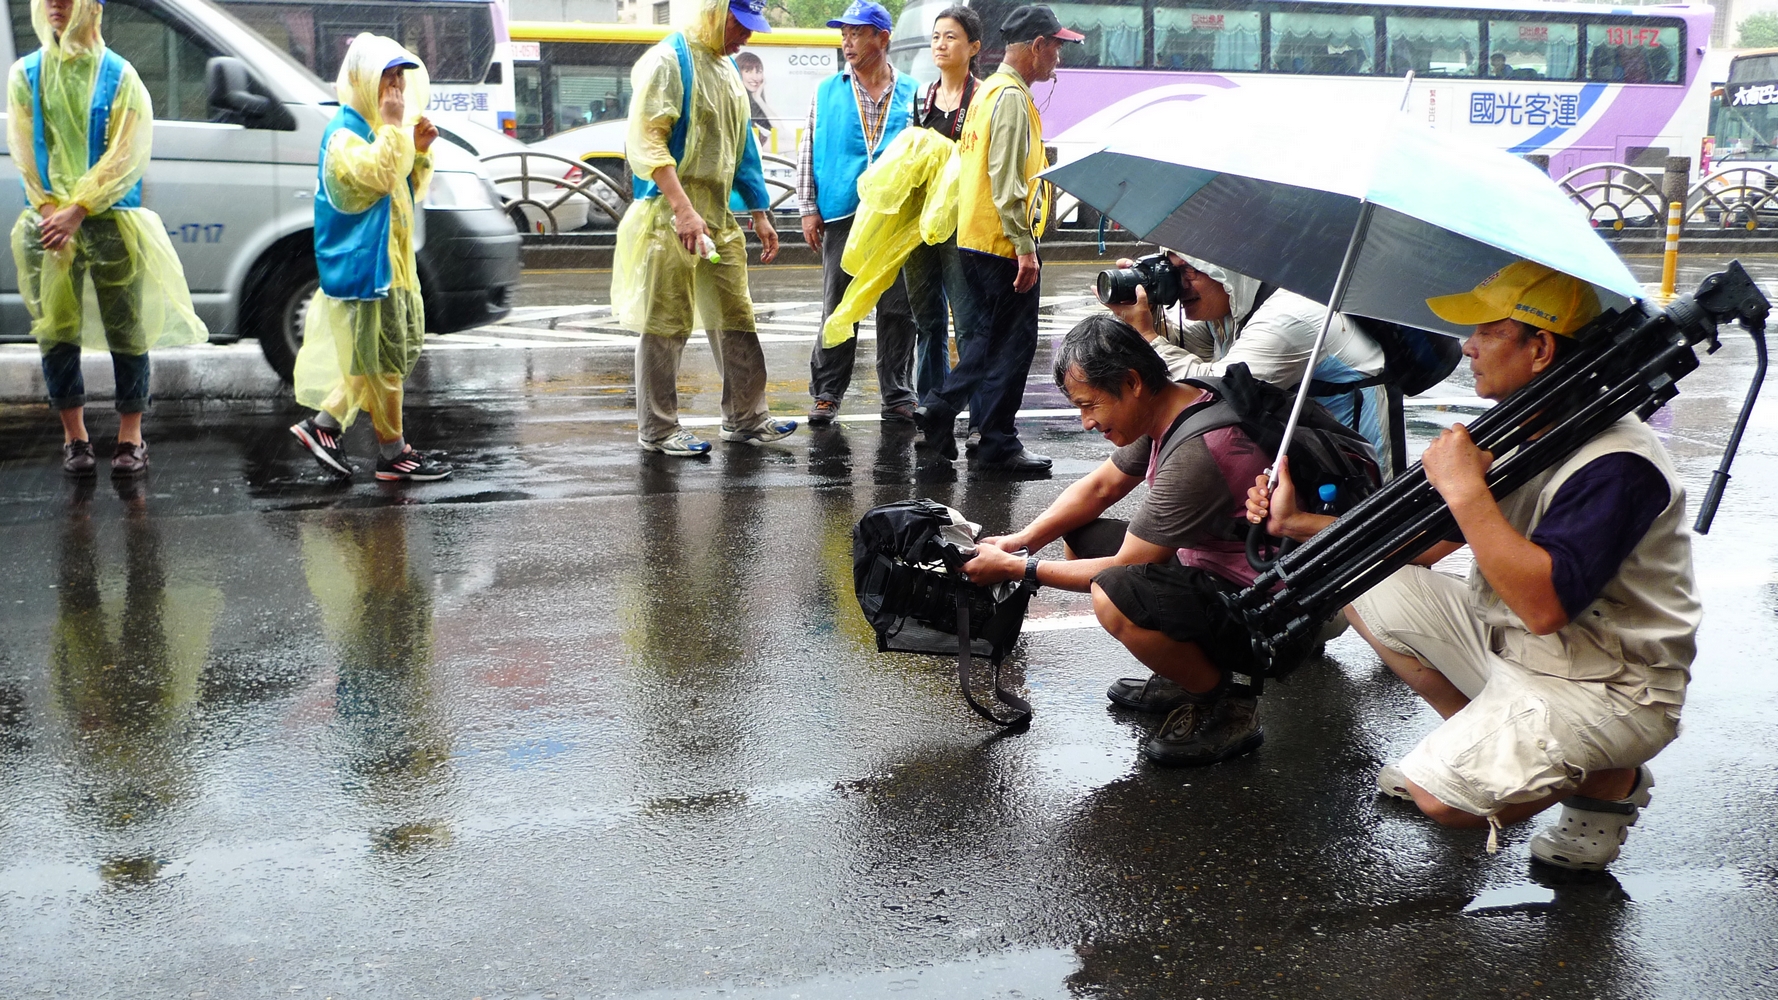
(906, 572)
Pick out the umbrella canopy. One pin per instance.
(1275, 192)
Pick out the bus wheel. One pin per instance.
(280, 305)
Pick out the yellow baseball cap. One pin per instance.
(1525, 291)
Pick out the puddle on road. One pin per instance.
(1025, 975)
(1512, 897)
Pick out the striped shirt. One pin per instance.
(874, 111)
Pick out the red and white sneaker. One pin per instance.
(411, 465)
(324, 444)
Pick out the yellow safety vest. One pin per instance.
(978, 222)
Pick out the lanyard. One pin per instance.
(871, 142)
(962, 105)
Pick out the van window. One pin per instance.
(454, 40)
(170, 62)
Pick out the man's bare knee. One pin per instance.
(1110, 618)
(1444, 815)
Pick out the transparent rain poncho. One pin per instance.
(356, 353)
(655, 281)
(902, 201)
(137, 297)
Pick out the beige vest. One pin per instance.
(1640, 634)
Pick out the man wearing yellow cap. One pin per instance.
(1561, 665)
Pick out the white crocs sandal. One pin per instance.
(1393, 783)
(1590, 832)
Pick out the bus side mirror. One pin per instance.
(237, 98)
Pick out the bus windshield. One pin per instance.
(1746, 125)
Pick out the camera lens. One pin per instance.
(1117, 286)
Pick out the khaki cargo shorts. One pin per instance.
(1523, 735)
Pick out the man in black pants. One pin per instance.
(998, 208)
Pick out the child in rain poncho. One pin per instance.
(678, 243)
(367, 323)
(84, 218)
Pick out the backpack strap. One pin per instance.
(641, 187)
(1266, 289)
(39, 143)
(1219, 413)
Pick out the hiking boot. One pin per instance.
(412, 466)
(1206, 733)
(681, 442)
(771, 430)
(900, 413)
(1589, 833)
(823, 412)
(78, 459)
(1393, 783)
(1153, 693)
(129, 458)
(324, 444)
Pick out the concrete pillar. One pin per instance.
(1676, 183)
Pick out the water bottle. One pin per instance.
(1329, 493)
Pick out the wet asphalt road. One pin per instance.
(585, 723)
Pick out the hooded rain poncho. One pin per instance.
(356, 353)
(655, 281)
(137, 298)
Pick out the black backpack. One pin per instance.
(1322, 451)
(906, 562)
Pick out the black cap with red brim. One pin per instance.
(1027, 23)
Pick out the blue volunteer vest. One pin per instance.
(840, 156)
(111, 67)
(351, 249)
(749, 192)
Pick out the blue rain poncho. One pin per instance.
(357, 352)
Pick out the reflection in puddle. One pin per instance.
(1512, 897)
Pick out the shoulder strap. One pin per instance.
(964, 657)
(39, 143)
(104, 93)
(1208, 417)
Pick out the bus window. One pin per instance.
(1532, 50)
(1330, 44)
(1203, 39)
(582, 95)
(1632, 53)
(527, 89)
(1434, 46)
(1114, 34)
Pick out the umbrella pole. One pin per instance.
(1333, 307)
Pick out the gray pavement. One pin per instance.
(581, 722)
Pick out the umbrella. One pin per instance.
(1362, 208)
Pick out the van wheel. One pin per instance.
(283, 304)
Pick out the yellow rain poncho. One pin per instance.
(137, 298)
(908, 196)
(655, 281)
(357, 352)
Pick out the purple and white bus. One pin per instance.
(1579, 83)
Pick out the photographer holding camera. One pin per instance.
(1230, 318)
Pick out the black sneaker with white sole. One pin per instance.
(324, 444)
(412, 466)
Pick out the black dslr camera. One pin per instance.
(1117, 285)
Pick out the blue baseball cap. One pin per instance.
(751, 14)
(404, 62)
(865, 13)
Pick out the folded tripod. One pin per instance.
(1629, 361)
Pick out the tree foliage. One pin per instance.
(1758, 31)
(816, 13)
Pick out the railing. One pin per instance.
(1617, 195)
(548, 184)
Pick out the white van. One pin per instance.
(237, 134)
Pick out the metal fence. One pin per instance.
(547, 194)
(1618, 196)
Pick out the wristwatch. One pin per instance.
(1031, 571)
